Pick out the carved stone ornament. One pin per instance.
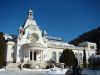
(32, 27)
(34, 37)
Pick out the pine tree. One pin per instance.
(67, 57)
(91, 36)
(2, 50)
(84, 59)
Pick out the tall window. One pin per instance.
(30, 55)
(92, 47)
(81, 56)
(35, 55)
(76, 55)
(54, 56)
(60, 54)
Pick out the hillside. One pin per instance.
(91, 36)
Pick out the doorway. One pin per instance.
(35, 55)
(30, 55)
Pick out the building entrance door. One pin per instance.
(35, 55)
(30, 55)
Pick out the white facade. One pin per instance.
(34, 45)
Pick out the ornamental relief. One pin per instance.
(33, 28)
(39, 45)
(34, 38)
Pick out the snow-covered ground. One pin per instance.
(52, 71)
(45, 72)
(91, 72)
(3, 69)
(25, 73)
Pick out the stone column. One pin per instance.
(57, 56)
(32, 55)
(78, 57)
(41, 55)
(29, 56)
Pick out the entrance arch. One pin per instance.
(35, 55)
(31, 55)
(54, 56)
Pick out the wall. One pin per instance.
(10, 52)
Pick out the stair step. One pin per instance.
(12, 66)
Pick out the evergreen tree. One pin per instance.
(91, 36)
(67, 57)
(84, 59)
(2, 50)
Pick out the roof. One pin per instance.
(10, 37)
(54, 38)
(86, 43)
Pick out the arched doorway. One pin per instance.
(30, 55)
(35, 55)
(54, 56)
(76, 55)
(80, 56)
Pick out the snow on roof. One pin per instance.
(54, 38)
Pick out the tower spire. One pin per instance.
(30, 14)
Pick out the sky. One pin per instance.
(60, 18)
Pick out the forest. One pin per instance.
(91, 36)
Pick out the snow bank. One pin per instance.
(3, 69)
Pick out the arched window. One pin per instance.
(54, 56)
(76, 55)
(34, 38)
(81, 56)
(60, 54)
(93, 54)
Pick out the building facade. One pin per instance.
(34, 45)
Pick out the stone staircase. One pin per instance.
(12, 66)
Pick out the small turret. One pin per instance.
(30, 14)
(44, 33)
(20, 28)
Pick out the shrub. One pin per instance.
(26, 66)
(67, 57)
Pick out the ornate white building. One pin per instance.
(34, 45)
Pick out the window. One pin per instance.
(76, 55)
(54, 56)
(60, 54)
(23, 32)
(92, 47)
(12, 55)
(34, 37)
(30, 55)
(35, 55)
(81, 56)
(93, 54)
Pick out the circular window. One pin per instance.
(35, 37)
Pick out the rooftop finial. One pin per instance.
(30, 14)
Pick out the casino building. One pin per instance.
(34, 45)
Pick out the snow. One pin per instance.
(3, 69)
(52, 71)
(48, 71)
(57, 71)
(91, 72)
(24, 71)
